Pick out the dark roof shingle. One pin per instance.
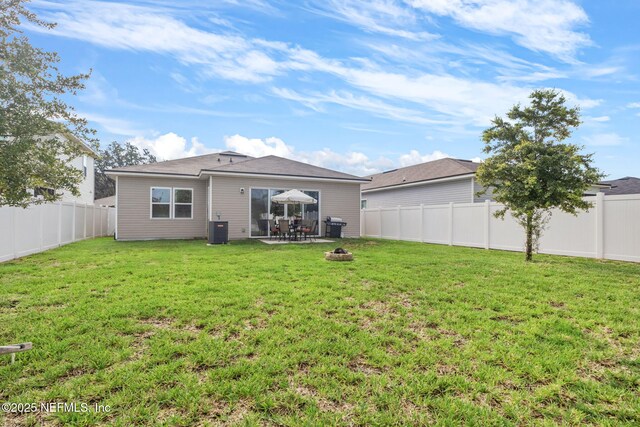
(626, 185)
(188, 165)
(231, 162)
(274, 165)
(428, 171)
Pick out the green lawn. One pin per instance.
(178, 333)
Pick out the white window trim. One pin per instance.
(151, 203)
(173, 207)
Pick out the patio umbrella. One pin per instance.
(293, 197)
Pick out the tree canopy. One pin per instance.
(530, 169)
(39, 131)
(116, 156)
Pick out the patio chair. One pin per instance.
(310, 230)
(283, 225)
(274, 230)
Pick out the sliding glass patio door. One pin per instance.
(263, 209)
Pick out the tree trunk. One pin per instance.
(529, 245)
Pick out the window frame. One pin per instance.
(174, 203)
(151, 202)
(283, 188)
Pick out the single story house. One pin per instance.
(176, 199)
(626, 185)
(432, 183)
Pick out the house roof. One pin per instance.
(229, 162)
(188, 165)
(274, 165)
(437, 169)
(626, 185)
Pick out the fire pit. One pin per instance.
(338, 254)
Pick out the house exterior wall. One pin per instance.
(133, 204)
(437, 193)
(87, 185)
(486, 196)
(336, 199)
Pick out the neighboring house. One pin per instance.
(83, 163)
(626, 185)
(176, 199)
(431, 183)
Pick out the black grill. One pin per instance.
(333, 227)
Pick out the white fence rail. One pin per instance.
(42, 227)
(611, 229)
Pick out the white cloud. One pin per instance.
(541, 25)
(605, 139)
(171, 146)
(257, 147)
(633, 105)
(599, 119)
(347, 99)
(414, 157)
(138, 28)
(111, 124)
(353, 162)
(440, 97)
(386, 17)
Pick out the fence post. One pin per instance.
(399, 223)
(600, 225)
(73, 228)
(15, 231)
(84, 229)
(41, 212)
(450, 223)
(59, 223)
(421, 227)
(487, 224)
(380, 222)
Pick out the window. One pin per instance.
(84, 165)
(183, 203)
(363, 204)
(160, 202)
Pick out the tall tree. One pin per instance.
(116, 156)
(530, 169)
(38, 130)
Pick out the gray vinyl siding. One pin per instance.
(134, 210)
(486, 196)
(336, 199)
(437, 193)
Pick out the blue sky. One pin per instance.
(359, 86)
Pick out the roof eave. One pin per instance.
(115, 172)
(282, 176)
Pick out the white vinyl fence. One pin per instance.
(611, 229)
(42, 227)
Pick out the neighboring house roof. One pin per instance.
(626, 185)
(83, 145)
(230, 163)
(423, 172)
(188, 165)
(105, 201)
